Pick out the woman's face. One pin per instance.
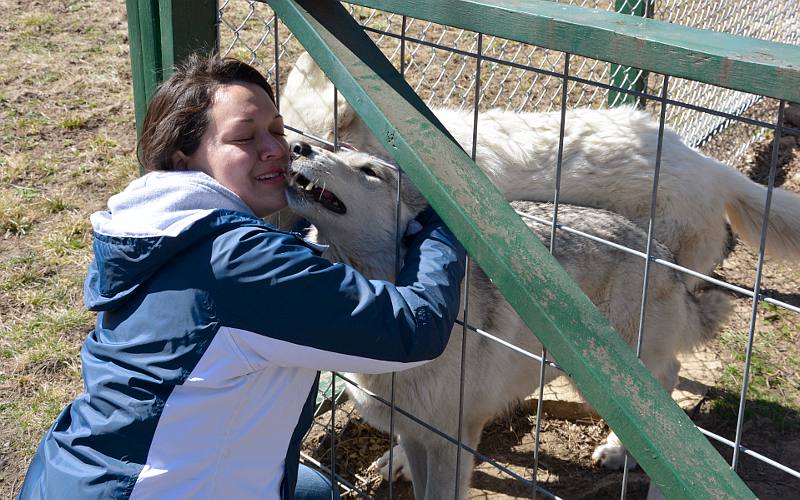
(244, 148)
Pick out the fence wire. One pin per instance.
(439, 62)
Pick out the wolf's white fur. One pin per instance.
(495, 376)
(608, 162)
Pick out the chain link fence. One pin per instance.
(439, 59)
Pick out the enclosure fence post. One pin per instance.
(187, 26)
(161, 34)
(145, 54)
(627, 77)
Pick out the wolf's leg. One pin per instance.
(440, 461)
(419, 461)
(400, 468)
(611, 455)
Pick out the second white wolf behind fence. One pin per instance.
(350, 199)
(609, 157)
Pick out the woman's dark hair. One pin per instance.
(177, 116)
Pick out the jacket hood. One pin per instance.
(155, 218)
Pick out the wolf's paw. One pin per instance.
(400, 468)
(611, 455)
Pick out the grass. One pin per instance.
(66, 144)
(774, 375)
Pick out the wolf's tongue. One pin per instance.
(328, 200)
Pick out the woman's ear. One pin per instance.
(180, 161)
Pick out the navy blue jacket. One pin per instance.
(201, 373)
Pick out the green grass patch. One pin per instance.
(73, 122)
(103, 144)
(51, 336)
(46, 77)
(20, 272)
(26, 193)
(772, 380)
(71, 238)
(14, 221)
(57, 204)
(24, 165)
(37, 45)
(38, 21)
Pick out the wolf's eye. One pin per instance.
(369, 172)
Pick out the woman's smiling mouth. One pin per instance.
(272, 178)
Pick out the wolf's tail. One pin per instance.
(745, 205)
(713, 307)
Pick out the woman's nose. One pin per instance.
(271, 147)
(301, 148)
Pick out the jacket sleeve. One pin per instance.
(285, 305)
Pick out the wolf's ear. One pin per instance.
(307, 70)
(311, 76)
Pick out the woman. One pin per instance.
(202, 371)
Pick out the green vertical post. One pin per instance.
(162, 33)
(145, 52)
(626, 76)
(186, 26)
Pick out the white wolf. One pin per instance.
(350, 199)
(608, 162)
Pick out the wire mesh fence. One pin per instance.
(473, 74)
(438, 58)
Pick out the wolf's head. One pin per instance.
(352, 200)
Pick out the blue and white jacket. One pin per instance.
(201, 373)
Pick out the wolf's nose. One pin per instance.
(301, 148)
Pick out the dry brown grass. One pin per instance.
(66, 140)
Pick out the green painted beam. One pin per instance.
(658, 433)
(735, 62)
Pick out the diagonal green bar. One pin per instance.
(736, 62)
(661, 437)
